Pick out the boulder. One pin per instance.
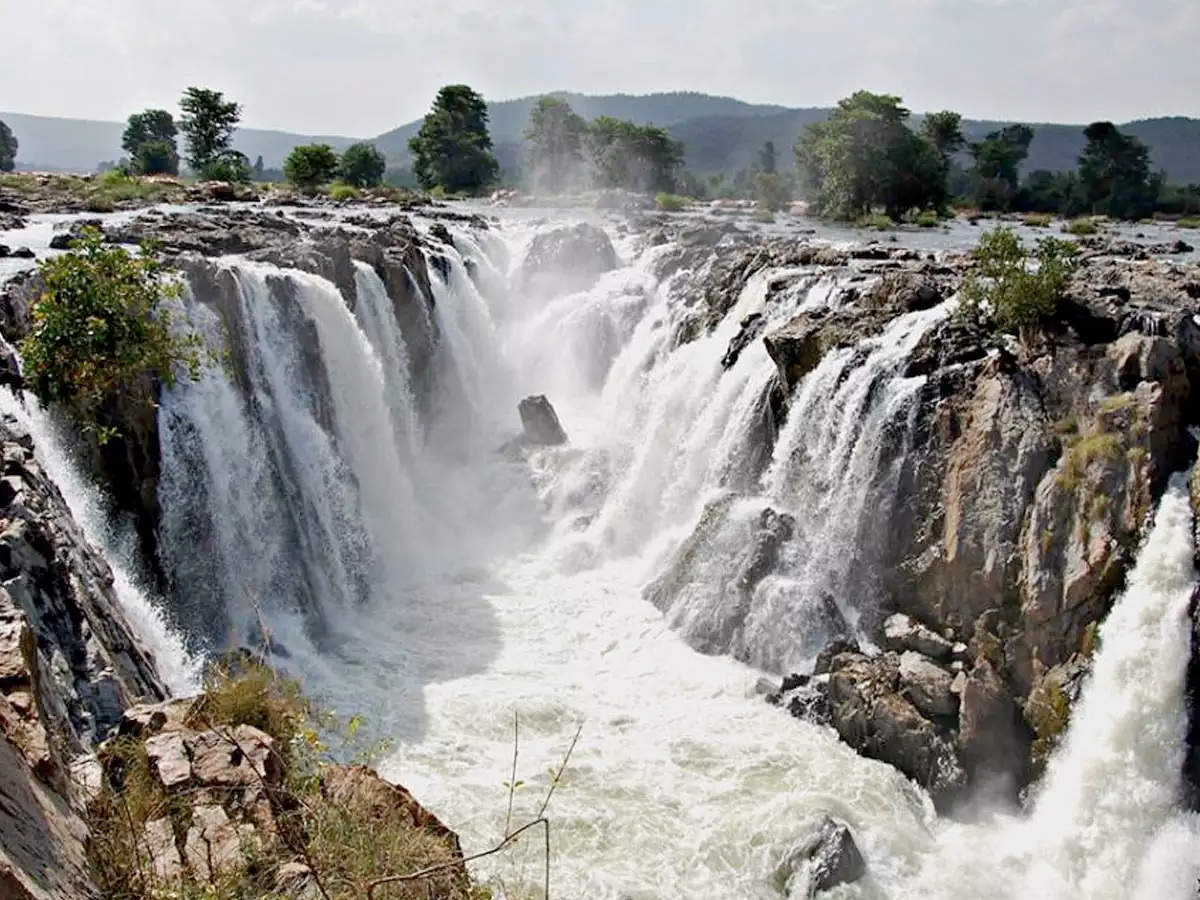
(826, 857)
(774, 529)
(901, 633)
(23, 253)
(566, 260)
(926, 685)
(540, 422)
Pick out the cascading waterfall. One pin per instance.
(412, 571)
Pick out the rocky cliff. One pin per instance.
(1025, 478)
(69, 666)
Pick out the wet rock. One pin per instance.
(23, 253)
(565, 260)
(440, 232)
(773, 530)
(752, 327)
(926, 685)
(993, 739)
(540, 422)
(826, 857)
(901, 632)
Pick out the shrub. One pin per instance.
(878, 221)
(1038, 220)
(928, 219)
(670, 202)
(338, 192)
(1081, 227)
(765, 216)
(100, 327)
(310, 166)
(1189, 223)
(230, 166)
(1006, 293)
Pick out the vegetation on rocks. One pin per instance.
(1012, 290)
(102, 329)
(238, 794)
(1082, 227)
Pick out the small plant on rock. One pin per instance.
(102, 331)
(1012, 289)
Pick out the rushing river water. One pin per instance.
(458, 587)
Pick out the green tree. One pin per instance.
(866, 156)
(156, 158)
(156, 127)
(229, 165)
(554, 145)
(453, 149)
(943, 132)
(1013, 290)
(363, 165)
(208, 123)
(259, 169)
(310, 166)
(998, 159)
(767, 160)
(1053, 192)
(771, 191)
(641, 158)
(101, 325)
(8, 148)
(1114, 170)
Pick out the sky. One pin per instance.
(361, 67)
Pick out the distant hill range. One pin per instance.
(721, 134)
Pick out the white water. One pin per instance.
(454, 591)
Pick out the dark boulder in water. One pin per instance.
(540, 422)
(823, 859)
(566, 260)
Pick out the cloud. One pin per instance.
(363, 66)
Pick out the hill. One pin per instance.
(721, 134)
(78, 145)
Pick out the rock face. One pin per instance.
(540, 423)
(69, 666)
(1028, 473)
(566, 259)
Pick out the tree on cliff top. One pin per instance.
(208, 123)
(554, 139)
(8, 148)
(453, 150)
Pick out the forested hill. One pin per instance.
(720, 134)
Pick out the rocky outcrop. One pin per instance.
(69, 665)
(540, 423)
(1029, 473)
(566, 259)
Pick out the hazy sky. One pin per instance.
(360, 67)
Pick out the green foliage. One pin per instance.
(865, 156)
(259, 171)
(1038, 220)
(998, 159)
(149, 139)
(101, 329)
(1081, 227)
(1189, 223)
(670, 202)
(208, 123)
(310, 166)
(1114, 170)
(764, 216)
(1100, 445)
(340, 192)
(1048, 711)
(928, 219)
(634, 157)
(230, 165)
(1008, 294)
(453, 150)
(877, 221)
(8, 148)
(363, 166)
(1052, 192)
(554, 141)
